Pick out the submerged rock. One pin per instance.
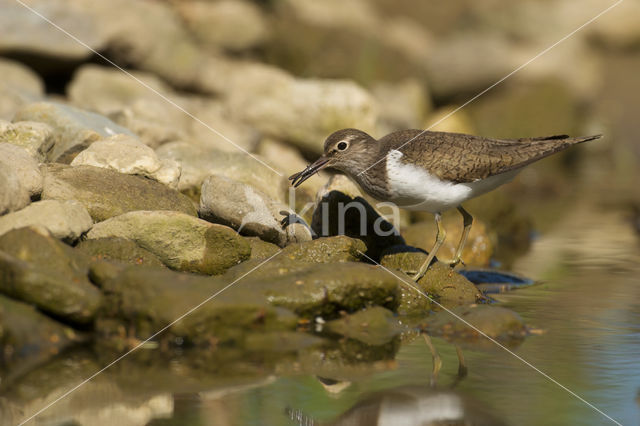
(35, 137)
(66, 220)
(125, 154)
(249, 211)
(181, 241)
(106, 193)
(118, 249)
(37, 268)
(373, 326)
(27, 337)
(73, 129)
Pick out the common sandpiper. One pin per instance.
(431, 171)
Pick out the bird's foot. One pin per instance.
(456, 262)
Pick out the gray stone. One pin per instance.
(39, 269)
(125, 154)
(13, 196)
(35, 137)
(181, 241)
(228, 24)
(66, 220)
(198, 162)
(249, 210)
(18, 161)
(73, 129)
(19, 86)
(106, 193)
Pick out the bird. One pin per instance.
(432, 171)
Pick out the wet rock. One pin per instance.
(19, 86)
(106, 193)
(324, 289)
(118, 249)
(27, 337)
(494, 321)
(326, 250)
(18, 161)
(125, 154)
(340, 210)
(229, 24)
(149, 299)
(181, 241)
(477, 251)
(35, 137)
(373, 326)
(440, 283)
(38, 269)
(261, 249)
(198, 162)
(66, 220)
(249, 211)
(73, 129)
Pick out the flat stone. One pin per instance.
(106, 193)
(66, 220)
(249, 210)
(198, 162)
(19, 161)
(29, 337)
(73, 129)
(373, 326)
(125, 154)
(181, 241)
(118, 249)
(39, 269)
(35, 137)
(326, 250)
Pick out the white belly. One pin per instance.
(413, 188)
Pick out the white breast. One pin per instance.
(413, 188)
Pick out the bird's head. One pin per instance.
(347, 150)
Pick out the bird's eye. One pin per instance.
(342, 146)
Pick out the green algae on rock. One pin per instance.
(326, 250)
(39, 269)
(118, 249)
(107, 193)
(373, 326)
(181, 241)
(261, 250)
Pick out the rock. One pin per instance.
(403, 105)
(27, 337)
(181, 241)
(477, 251)
(35, 137)
(319, 289)
(13, 196)
(373, 326)
(19, 86)
(445, 120)
(261, 250)
(198, 162)
(146, 300)
(229, 24)
(440, 283)
(38, 269)
(326, 250)
(617, 29)
(118, 249)
(65, 220)
(19, 161)
(341, 210)
(106, 193)
(125, 154)
(73, 129)
(249, 211)
(499, 323)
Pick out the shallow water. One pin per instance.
(585, 308)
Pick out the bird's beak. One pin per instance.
(311, 169)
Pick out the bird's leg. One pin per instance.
(440, 236)
(462, 365)
(437, 361)
(467, 220)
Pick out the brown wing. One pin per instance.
(465, 158)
